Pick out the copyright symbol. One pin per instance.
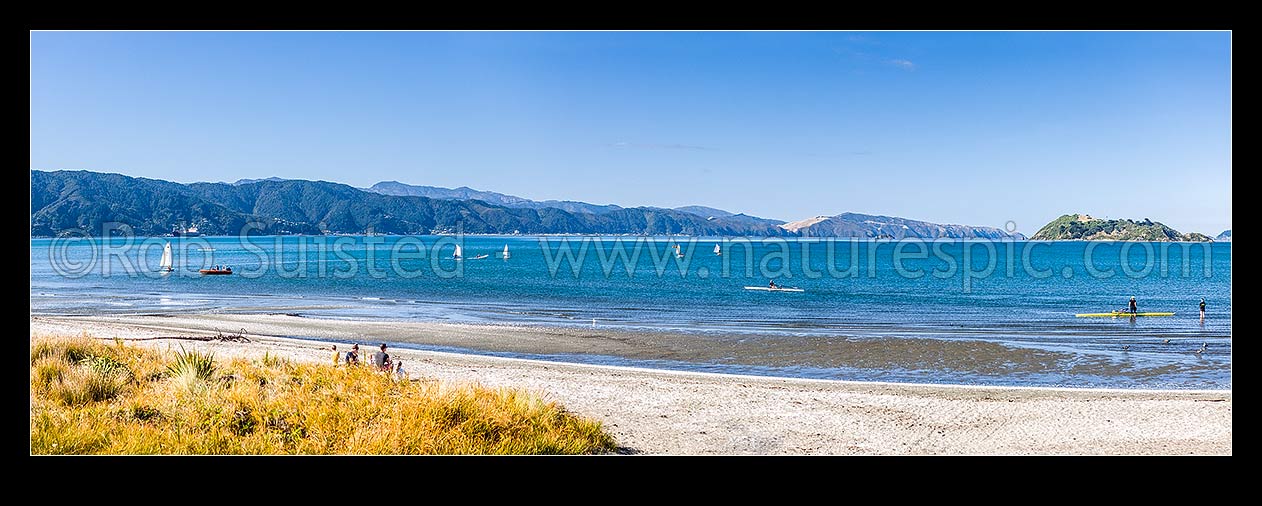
(63, 262)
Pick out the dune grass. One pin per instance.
(95, 398)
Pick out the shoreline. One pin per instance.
(969, 363)
(634, 368)
(659, 411)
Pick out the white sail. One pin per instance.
(458, 253)
(717, 250)
(677, 252)
(505, 251)
(166, 264)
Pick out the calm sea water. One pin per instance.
(950, 312)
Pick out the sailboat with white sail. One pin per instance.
(166, 265)
(678, 254)
(718, 250)
(505, 252)
(458, 254)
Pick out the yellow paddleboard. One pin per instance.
(1118, 314)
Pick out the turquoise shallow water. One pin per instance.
(889, 298)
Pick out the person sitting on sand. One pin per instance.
(399, 373)
(381, 359)
(352, 357)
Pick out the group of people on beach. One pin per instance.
(380, 360)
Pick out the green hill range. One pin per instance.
(84, 203)
(1083, 227)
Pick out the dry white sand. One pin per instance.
(668, 412)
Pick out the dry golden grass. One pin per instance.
(93, 398)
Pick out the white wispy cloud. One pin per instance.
(839, 154)
(660, 146)
(903, 64)
(852, 53)
(861, 39)
(866, 51)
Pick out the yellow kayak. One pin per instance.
(1119, 314)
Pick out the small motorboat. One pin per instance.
(216, 271)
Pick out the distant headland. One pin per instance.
(1086, 228)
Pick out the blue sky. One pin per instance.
(973, 128)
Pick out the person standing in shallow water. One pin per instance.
(1202, 308)
(1134, 308)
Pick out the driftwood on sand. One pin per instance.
(238, 337)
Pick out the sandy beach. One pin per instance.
(690, 413)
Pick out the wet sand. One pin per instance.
(965, 358)
(671, 412)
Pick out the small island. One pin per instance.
(1082, 227)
